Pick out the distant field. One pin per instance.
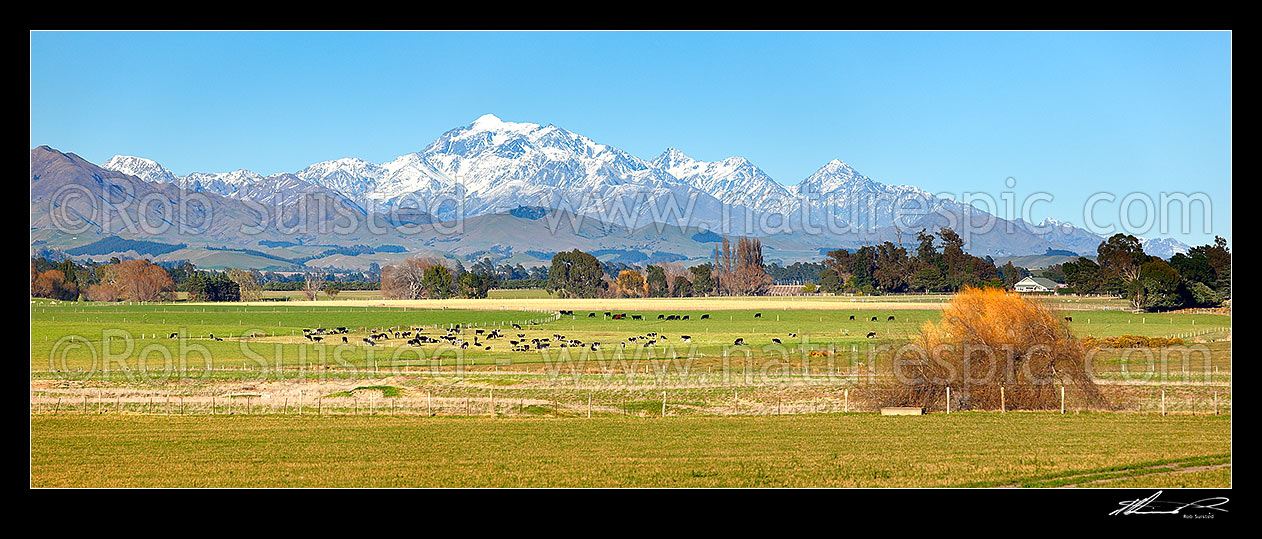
(274, 332)
(538, 299)
(836, 450)
(519, 293)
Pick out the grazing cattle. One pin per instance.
(890, 319)
(317, 339)
(757, 315)
(685, 338)
(685, 317)
(1069, 319)
(871, 334)
(174, 335)
(777, 341)
(705, 317)
(852, 317)
(874, 319)
(606, 313)
(637, 317)
(739, 342)
(369, 342)
(661, 316)
(591, 315)
(516, 326)
(793, 335)
(619, 316)
(344, 341)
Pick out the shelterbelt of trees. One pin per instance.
(938, 264)
(142, 280)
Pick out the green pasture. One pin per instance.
(825, 450)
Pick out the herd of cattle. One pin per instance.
(457, 335)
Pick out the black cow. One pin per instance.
(871, 334)
(874, 319)
(852, 317)
(757, 315)
(777, 341)
(1069, 319)
(661, 316)
(705, 317)
(890, 319)
(591, 315)
(637, 317)
(739, 342)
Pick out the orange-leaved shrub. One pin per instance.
(990, 339)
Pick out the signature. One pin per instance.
(1152, 506)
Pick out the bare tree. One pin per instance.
(314, 283)
(406, 280)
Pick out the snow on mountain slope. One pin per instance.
(145, 169)
(494, 166)
(1163, 247)
(1062, 235)
(350, 176)
(734, 180)
(838, 193)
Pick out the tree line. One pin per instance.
(1199, 278)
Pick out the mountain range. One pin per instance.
(505, 177)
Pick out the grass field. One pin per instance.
(839, 450)
(104, 378)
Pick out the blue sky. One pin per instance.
(1070, 114)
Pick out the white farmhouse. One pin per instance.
(1036, 284)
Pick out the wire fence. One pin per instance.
(587, 402)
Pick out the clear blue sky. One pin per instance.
(1066, 113)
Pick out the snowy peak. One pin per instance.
(145, 169)
(352, 176)
(734, 180)
(835, 175)
(1163, 247)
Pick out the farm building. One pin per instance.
(1036, 284)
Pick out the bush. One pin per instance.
(990, 339)
(1131, 341)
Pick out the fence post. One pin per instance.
(847, 397)
(663, 404)
(1003, 403)
(1163, 402)
(948, 399)
(1062, 400)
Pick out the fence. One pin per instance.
(588, 402)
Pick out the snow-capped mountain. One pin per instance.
(276, 190)
(350, 176)
(734, 180)
(493, 166)
(836, 193)
(1163, 247)
(1062, 235)
(145, 169)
